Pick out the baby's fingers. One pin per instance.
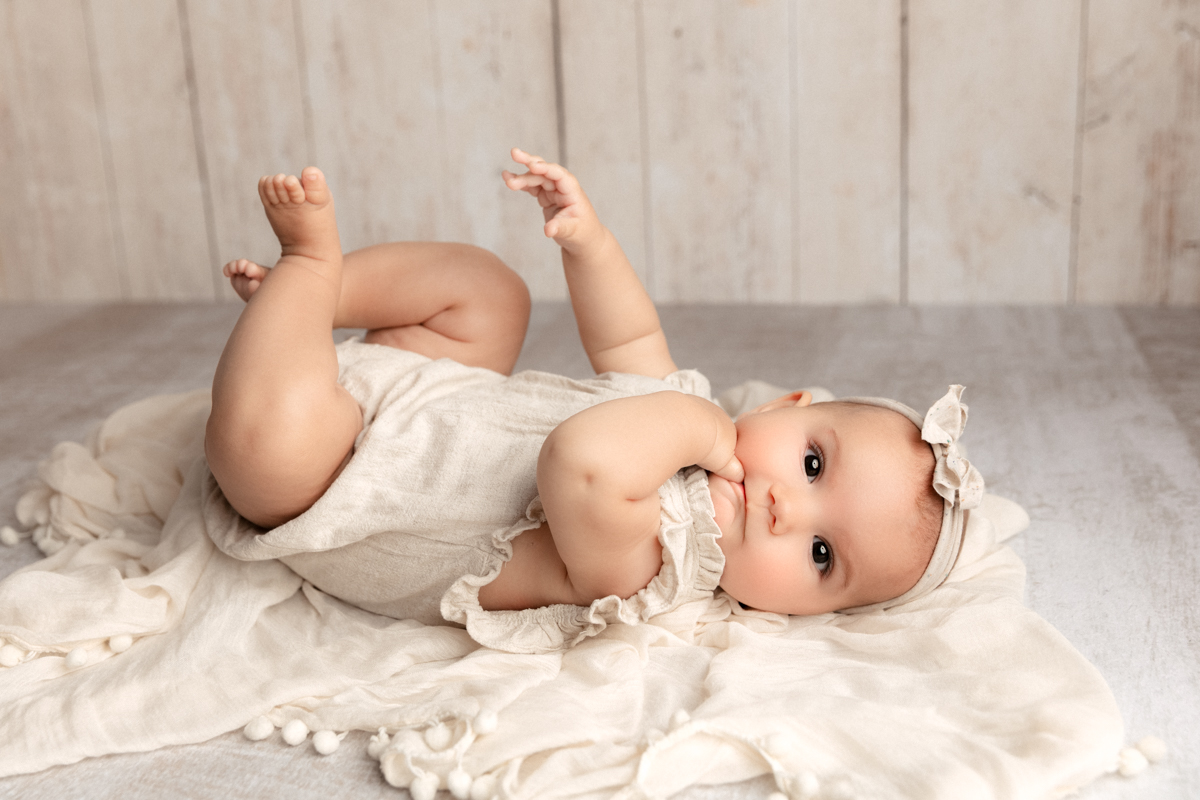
(527, 182)
(540, 166)
(561, 227)
(732, 471)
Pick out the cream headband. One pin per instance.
(959, 484)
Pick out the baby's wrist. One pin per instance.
(589, 241)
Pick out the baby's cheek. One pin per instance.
(722, 512)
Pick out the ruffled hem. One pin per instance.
(692, 565)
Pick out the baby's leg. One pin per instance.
(438, 299)
(281, 427)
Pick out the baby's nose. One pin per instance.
(783, 509)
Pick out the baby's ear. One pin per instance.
(798, 399)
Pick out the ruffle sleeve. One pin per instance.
(692, 566)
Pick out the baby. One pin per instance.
(846, 505)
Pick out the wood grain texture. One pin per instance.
(846, 108)
(56, 236)
(248, 84)
(1139, 235)
(373, 93)
(160, 204)
(719, 156)
(991, 146)
(603, 119)
(496, 69)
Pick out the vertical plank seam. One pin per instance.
(1077, 171)
(189, 71)
(440, 113)
(793, 148)
(644, 155)
(560, 110)
(310, 139)
(904, 145)
(106, 157)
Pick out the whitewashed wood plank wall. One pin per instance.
(774, 151)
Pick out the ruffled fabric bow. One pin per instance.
(953, 476)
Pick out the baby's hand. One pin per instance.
(721, 459)
(570, 219)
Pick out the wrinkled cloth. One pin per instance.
(442, 480)
(963, 693)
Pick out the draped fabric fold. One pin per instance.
(949, 696)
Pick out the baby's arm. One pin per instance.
(617, 321)
(598, 476)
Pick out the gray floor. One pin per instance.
(1090, 418)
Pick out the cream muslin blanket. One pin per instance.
(964, 693)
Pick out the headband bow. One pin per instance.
(953, 475)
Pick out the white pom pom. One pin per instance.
(424, 787)
(9, 537)
(10, 656)
(295, 732)
(437, 737)
(459, 783)
(486, 722)
(679, 718)
(325, 742)
(483, 788)
(117, 533)
(1130, 762)
(808, 785)
(120, 643)
(77, 658)
(1153, 748)
(777, 796)
(258, 729)
(378, 743)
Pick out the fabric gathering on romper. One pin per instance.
(167, 619)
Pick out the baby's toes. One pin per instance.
(252, 270)
(275, 190)
(235, 267)
(294, 191)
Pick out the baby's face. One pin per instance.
(826, 516)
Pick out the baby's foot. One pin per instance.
(245, 276)
(300, 211)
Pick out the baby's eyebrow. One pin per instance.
(847, 571)
(837, 443)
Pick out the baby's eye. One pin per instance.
(812, 463)
(822, 556)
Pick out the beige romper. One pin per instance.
(443, 478)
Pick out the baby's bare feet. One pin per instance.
(300, 211)
(245, 276)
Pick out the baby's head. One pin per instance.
(838, 509)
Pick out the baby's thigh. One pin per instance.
(274, 460)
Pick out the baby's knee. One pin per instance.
(274, 456)
(499, 295)
(496, 281)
